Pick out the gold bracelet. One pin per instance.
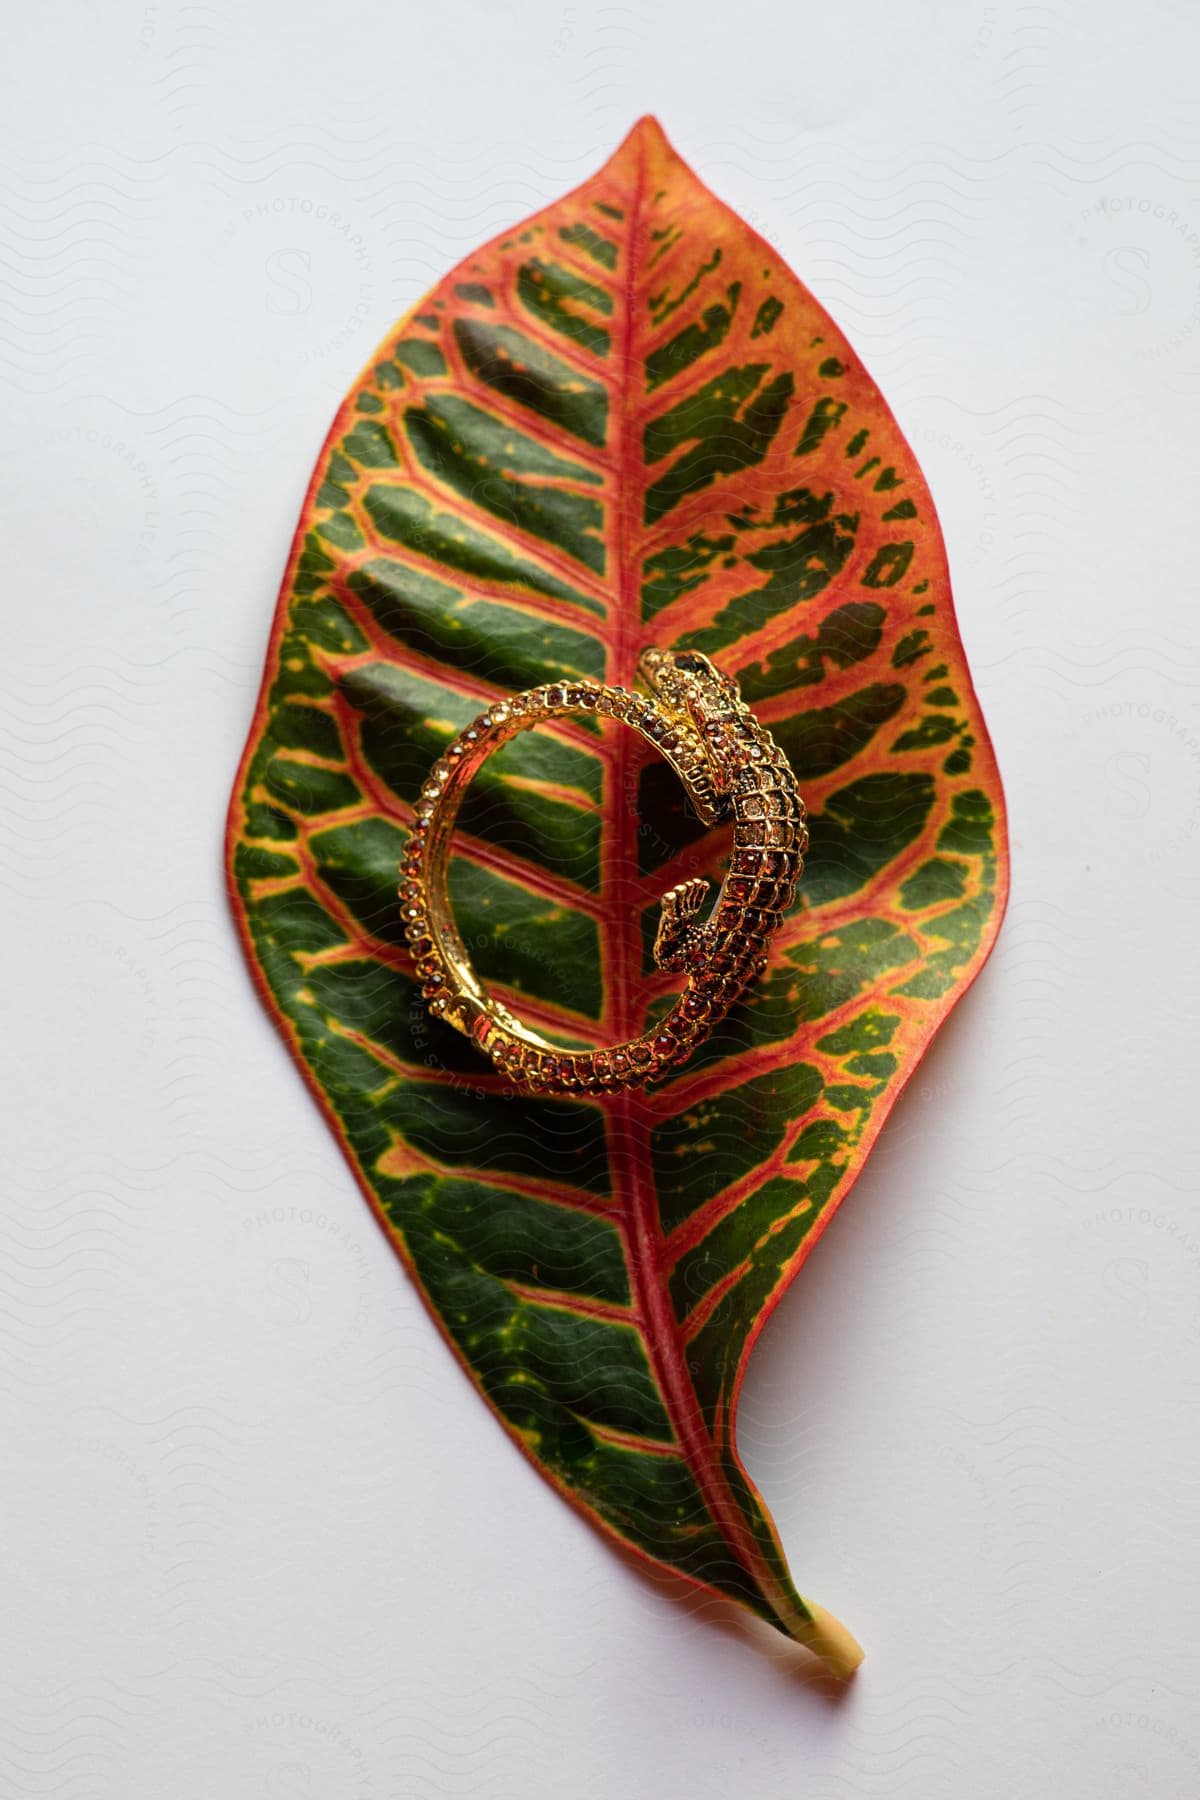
(729, 765)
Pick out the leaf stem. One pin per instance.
(827, 1638)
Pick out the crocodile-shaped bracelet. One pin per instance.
(729, 766)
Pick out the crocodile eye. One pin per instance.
(693, 662)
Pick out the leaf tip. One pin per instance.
(647, 140)
(828, 1638)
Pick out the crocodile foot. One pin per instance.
(681, 942)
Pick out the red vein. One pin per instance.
(338, 666)
(529, 423)
(627, 1115)
(489, 856)
(565, 1301)
(545, 608)
(628, 1440)
(700, 1314)
(563, 349)
(698, 1225)
(535, 549)
(704, 1308)
(558, 1194)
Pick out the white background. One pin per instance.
(257, 1537)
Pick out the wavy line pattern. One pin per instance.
(211, 1375)
(679, 447)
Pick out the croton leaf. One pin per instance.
(623, 422)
